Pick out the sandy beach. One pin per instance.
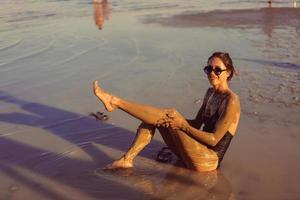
(151, 52)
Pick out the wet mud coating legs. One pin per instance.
(194, 155)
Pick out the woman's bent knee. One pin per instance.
(150, 127)
(170, 111)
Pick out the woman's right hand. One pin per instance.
(163, 122)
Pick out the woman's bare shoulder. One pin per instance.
(233, 99)
(233, 96)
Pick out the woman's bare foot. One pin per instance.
(105, 97)
(119, 164)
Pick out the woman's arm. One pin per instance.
(228, 118)
(198, 121)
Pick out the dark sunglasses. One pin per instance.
(217, 70)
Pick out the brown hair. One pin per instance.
(226, 60)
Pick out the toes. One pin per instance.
(108, 167)
(95, 83)
(96, 86)
(111, 166)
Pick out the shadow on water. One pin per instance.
(37, 169)
(60, 123)
(74, 173)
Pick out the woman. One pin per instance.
(200, 150)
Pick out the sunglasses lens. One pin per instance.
(217, 71)
(208, 69)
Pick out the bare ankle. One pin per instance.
(115, 102)
(128, 158)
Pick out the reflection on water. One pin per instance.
(101, 12)
(267, 18)
(277, 29)
(174, 183)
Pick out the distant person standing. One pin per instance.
(270, 3)
(101, 12)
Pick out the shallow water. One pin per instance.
(50, 52)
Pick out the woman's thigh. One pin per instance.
(195, 155)
(169, 140)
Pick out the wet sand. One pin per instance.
(151, 52)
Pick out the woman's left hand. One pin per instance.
(173, 120)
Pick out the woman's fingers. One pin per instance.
(95, 84)
(164, 122)
(177, 124)
(172, 120)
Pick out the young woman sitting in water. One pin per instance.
(200, 150)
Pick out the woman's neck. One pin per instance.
(221, 88)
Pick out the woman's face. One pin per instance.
(213, 78)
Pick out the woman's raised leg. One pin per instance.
(145, 113)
